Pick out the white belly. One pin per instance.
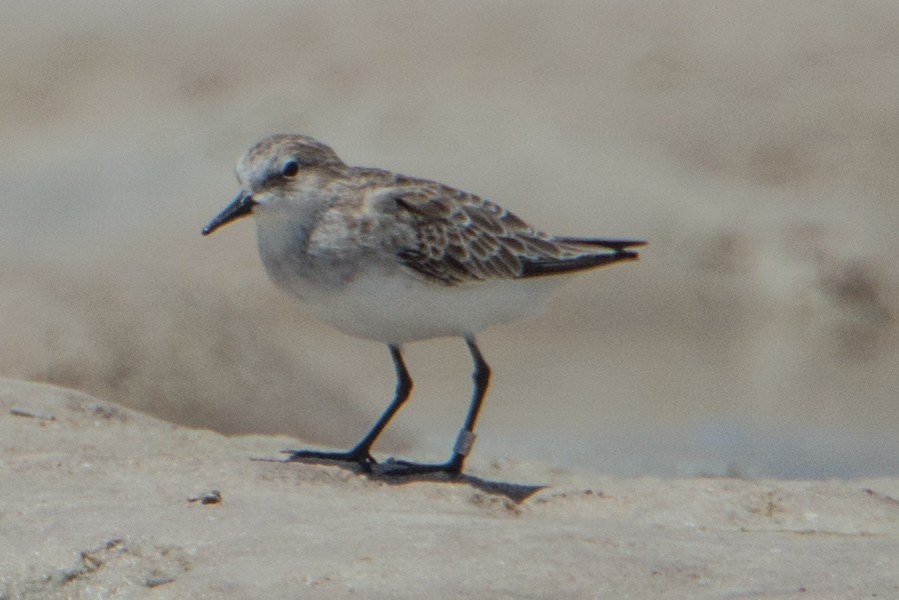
(400, 308)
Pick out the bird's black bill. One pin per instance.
(239, 207)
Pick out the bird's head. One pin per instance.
(276, 168)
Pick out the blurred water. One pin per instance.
(733, 449)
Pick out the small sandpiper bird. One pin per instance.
(398, 259)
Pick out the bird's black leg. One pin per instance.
(361, 452)
(465, 439)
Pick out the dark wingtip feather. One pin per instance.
(538, 267)
(617, 245)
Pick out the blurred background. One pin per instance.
(754, 144)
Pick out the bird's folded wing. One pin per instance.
(460, 238)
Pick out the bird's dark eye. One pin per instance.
(290, 168)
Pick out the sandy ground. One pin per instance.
(97, 500)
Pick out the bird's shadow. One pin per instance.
(516, 492)
(383, 472)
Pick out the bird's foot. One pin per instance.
(360, 457)
(393, 468)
